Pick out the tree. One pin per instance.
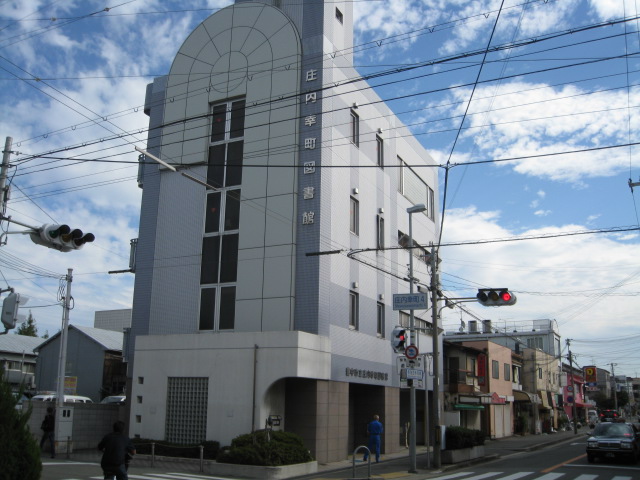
(28, 328)
(20, 451)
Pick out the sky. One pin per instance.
(530, 109)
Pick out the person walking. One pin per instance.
(115, 447)
(48, 426)
(374, 430)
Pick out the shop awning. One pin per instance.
(521, 396)
(466, 406)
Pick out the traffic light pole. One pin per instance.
(6, 153)
(412, 388)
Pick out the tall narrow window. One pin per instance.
(380, 232)
(339, 15)
(495, 369)
(219, 263)
(380, 318)
(354, 216)
(353, 310)
(401, 167)
(380, 151)
(355, 128)
(432, 202)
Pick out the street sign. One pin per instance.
(411, 352)
(409, 301)
(414, 374)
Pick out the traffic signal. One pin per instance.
(495, 297)
(399, 339)
(10, 310)
(61, 237)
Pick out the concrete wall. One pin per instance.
(91, 422)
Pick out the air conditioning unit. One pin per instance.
(486, 326)
(473, 326)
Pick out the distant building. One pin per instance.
(116, 320)
(94, 363)
(18, 359)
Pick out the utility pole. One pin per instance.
(436, 357)
(615, 387)
(6, 153)
(62, 361)
(574, 412)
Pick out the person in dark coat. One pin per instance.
(48, 427)
(374, 430)
(115, 447)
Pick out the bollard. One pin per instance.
(201, 458)
(153, 454)
(355, 452)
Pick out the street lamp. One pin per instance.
(412, 341)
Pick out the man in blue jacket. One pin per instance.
(374, 430)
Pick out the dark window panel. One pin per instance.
(218, 120)
(210, 260)
(227, 308)
(234, 164)
(215, 170)
(207, 308)
(237, 119)
(212, 220)
(232, 211)
(229, 259)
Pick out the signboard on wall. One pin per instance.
(590, 375)
(482, 369)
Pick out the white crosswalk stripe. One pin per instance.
(529, 476)
(168, 476)
(586, 476)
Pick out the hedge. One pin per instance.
(266, 449)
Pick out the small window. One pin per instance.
(539, 373)
(380, 151)
(139, 397)
(380, 329)
(354, 216)
(353, 310)
(507, 372)
(355, 128)
(380, 232)
(401, 166)
(495, 369)
(138, 418)
(140, 380)
(339, 16)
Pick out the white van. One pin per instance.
(67, 398)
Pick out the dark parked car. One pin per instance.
(609, 416)
(614, 440)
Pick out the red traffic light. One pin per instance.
(505, 296)
(495, 297)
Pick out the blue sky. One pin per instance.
(554, 81)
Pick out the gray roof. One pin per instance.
(108, 339)
(12, 343)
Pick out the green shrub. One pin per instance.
(20, 451)
(460, 437)
(168, 449)
(283, 448)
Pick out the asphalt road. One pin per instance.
(567, 461)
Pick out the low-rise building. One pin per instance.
(18, 360)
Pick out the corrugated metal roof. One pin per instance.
(13, 343)
(109, 339)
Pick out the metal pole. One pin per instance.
(6, 153)
(436, 357)
(615, 387)
(62, 361)
(574, 412)
(426, 411)
(412, 387)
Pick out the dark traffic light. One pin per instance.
(495, 297)
(10, 310)
(399, 339)
(61, 237)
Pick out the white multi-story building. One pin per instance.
(237, 318)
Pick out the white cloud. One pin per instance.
(542, 213)
(536, 270)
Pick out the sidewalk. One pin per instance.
(493, 449)
(391, 465)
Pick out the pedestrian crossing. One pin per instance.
(534, 476)
(167, 476)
